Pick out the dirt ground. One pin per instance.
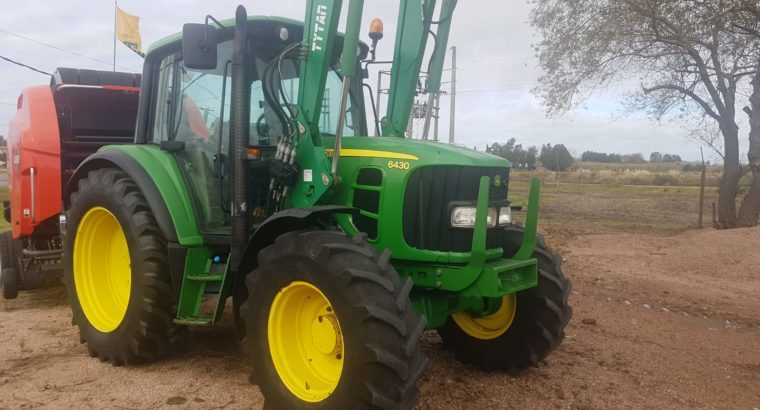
(661, 321)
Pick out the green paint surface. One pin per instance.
(162, 167)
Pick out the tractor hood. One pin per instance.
(416, 152)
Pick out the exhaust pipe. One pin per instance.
(239, 132)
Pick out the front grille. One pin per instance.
(427, 205)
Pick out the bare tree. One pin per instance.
(687, 55)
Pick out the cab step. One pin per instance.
(195, 321)
(204, 280)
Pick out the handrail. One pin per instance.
(33, 176)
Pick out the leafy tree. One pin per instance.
(671, 158)
(637, 158)
(592, 156)
(690, 56)
(655, 157)
(514, 152)
(556, 158)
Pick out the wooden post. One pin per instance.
(702, 188)
(715, 218)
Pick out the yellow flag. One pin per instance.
(128, 30)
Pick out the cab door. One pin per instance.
(193, 121)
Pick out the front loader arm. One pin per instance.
(413, 29)
(321, 26)
(320, 30)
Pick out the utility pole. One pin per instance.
(115, 17)
(556, 156)
(437, 114)
(379, 95)
(452, 115)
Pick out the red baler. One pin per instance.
(55, 128)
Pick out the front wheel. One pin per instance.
(528, 325)
(116, 271)
(329, 325)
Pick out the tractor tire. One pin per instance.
(528, 326)
(330, 325)
(10, 283)
(8, 266)
(116, 271)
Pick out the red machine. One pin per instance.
(55, 128)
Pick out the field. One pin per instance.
(630, 207)
(648, 174)
(666, 316)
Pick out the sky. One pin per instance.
(496, 68)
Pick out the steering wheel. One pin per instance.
(262, 128)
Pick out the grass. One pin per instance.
(629, 174)
(648, 166)
(617, 206)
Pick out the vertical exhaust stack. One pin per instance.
(239, 131)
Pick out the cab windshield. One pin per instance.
(203, 111)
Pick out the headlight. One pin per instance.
(505, 215)
(464, 217)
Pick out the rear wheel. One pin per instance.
(116, 271)
(329, 325)
(8, 266)
(526, 328)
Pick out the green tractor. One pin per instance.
(252, 177)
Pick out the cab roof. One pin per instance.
(263, 23)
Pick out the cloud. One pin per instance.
(493, 39)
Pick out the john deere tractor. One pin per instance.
(252, 177)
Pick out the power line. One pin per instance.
(60, 49)
(485, 64)
(24, 65)
(11, 104)
(494, 89)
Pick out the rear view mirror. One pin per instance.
(199, 46)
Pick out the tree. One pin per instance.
(556, 158)
(655, 157)
(748, 16)
(514, 152)
(636, 158)
(593, 156)
(688, 55)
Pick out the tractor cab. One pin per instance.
(193, 111)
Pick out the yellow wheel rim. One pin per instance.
(305, 341)
(102, 271)
(491, 326)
